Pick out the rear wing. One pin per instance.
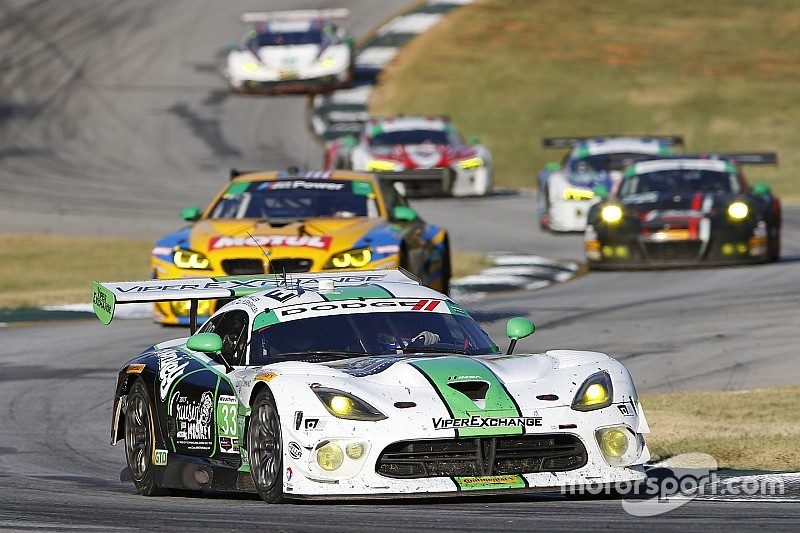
(339, 13)
(107, 295)
(570, 142)
(753, 158)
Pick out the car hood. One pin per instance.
(425, 155)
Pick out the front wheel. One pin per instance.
(265, 449)
(140, 440)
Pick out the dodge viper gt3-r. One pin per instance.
(362, 384)
(299, 221)
(567, 190)
(426, 154)
(292, 52)
(686, 210)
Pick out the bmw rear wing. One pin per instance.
(107, 295)
(339, 13)
(571, 142)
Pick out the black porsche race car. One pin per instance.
(685, 210)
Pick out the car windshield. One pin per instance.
(587, 168)
(297, 199)
(286, 38)
(392, 138)
(680, 181)
(360, 334)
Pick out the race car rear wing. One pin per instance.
(107, 294)
(754, 158)
(339, 13)
(570, 142)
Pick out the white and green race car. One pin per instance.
(362, 384)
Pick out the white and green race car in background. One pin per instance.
(362, 384)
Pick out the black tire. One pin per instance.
(265, 448)
(140, 440)
(775, 249)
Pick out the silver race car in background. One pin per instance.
(568, 190)
(292, 52)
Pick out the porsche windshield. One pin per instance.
(361, 334)
(297, 199)
(589, 166)
(392, 138)
(680, 181)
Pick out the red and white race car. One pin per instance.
(426, 156)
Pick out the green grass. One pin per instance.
(44, 269)
(755, 429)
(724, 75)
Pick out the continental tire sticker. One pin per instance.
(490, 482)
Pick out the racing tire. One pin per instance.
(774, 249)
(265, 448)
(140, 440)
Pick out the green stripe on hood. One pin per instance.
(442, 371)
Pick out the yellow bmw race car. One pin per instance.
(299, 221)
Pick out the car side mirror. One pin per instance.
(518, 328)
(208, 343)
(761, 189)
(403, 213)
(551, 166)
(600, 191)
(475, 139)
(191, 214)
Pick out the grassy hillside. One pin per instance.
(724, 74)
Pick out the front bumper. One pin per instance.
(321, 84)
(728, 245)
(303, 478)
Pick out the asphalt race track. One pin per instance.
(113, 117)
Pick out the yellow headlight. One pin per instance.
(611, 214)
(577, 194)
(595, 394)
(250, 66)
(352, 258)
(469, 164)
(327, 62)
(341, 405)
(379, 165)
(614, 442)
(738, 210)
(190, 259)
(330, 456)
(354, 450)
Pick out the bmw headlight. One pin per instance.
(611, 214)
(381, 165)
(351, 259)
(471, 163)
(595, 393)
(738, 210)
(190, 259)
(344, 405)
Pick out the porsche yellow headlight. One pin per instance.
(738, 210)
(611, 214)
(250, 66)
(380, 165)
(189, 259)
(469, 164)
(351, 259)
(328, 62)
